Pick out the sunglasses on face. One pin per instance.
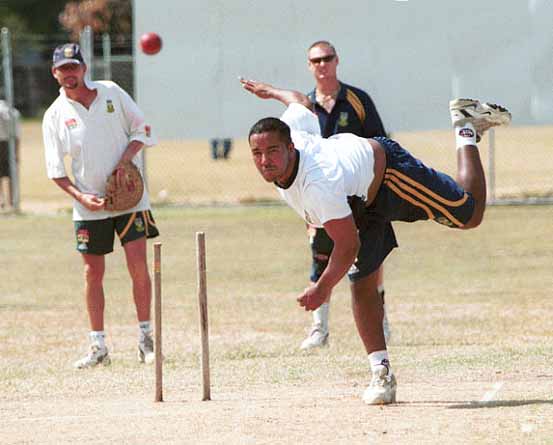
(325, 59)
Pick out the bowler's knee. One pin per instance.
(474, 221)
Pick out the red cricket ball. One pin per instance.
(150, 43)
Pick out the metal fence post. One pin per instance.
(106, 55)
(8, 83)
(491, 166)
(87, 47)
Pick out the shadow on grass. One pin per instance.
(473, 404)
(499, 404)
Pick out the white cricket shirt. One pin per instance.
(95, 140)
(329, 169)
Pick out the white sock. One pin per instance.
(145, 328)
(465, 135)
(98, 338)
(379, 358)
(320, 316)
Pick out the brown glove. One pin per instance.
(124, 187)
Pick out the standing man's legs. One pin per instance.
(136, 255)
(94, 267)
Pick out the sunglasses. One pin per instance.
(325, 59)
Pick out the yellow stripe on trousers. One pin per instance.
(409, 199)
(422, 198)
(426, 190)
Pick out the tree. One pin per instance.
(113, 16)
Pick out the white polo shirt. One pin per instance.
(329, 169)
(95, 139)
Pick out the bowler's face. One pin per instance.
(272, 157)
(70, 75)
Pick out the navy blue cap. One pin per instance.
(67, 53)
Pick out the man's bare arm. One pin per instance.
(91, 202)
(266, 91)
(346, 246)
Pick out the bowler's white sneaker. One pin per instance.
(483, 116)
(96, 356)
(146, 349)
(382, 389)
(318, 337)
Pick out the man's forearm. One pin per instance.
(288, 97)
(341, 259)
(68, 187)
(131, 151)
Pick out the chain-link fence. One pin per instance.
(519, 163)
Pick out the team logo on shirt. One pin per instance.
(71, 123)
(109, 105)
(82, 239)
(343, 119)
(148, 130)
(139, 224)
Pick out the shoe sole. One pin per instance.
(105, 361)
(324, 344)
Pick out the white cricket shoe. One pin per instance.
(96, 356)
(317, 338)
(483, 116)
(146, 349)
(382, 389)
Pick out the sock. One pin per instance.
(145, 328)
(465, 135)
(379, 358)
(320, 316)
(98, 338)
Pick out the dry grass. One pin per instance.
(471, 313)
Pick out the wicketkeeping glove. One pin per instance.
(124, 188)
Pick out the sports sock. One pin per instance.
(320, 316)
(379, 358)
(145, 328)
(98, 338)
(465, 135)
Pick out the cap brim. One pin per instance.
(65, 62)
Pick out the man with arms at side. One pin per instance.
(100, 128)
(354, 187)
(340, 108)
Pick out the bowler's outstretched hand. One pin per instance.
(260, 89)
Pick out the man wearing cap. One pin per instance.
(99, 126)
